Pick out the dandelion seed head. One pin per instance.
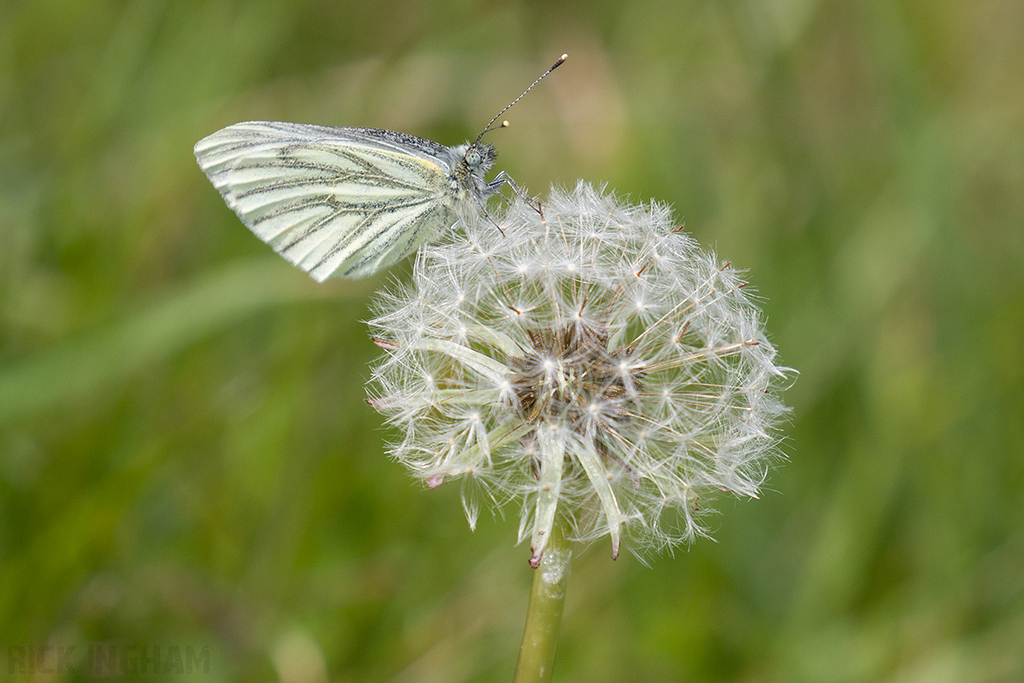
(591, 363)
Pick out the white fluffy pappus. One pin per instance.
(589, 361)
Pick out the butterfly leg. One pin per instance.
(481, 202)
(505, 179)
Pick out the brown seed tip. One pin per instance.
(385, 344)
(535, 559)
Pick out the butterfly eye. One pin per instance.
(473, 157)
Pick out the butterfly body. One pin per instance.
(343, 202)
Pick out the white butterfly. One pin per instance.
(346, 202)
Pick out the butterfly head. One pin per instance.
(469, 163)
(479, 157)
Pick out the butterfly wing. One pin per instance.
(333, 201)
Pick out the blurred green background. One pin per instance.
(185, 457)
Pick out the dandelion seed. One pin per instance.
(593, 363)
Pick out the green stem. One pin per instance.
(544, 616)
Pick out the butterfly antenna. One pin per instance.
(504, 124)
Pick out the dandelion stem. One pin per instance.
(544, 616)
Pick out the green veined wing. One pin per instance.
(338, 201)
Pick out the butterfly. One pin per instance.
(347, 202)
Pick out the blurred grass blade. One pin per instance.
(199, 309)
